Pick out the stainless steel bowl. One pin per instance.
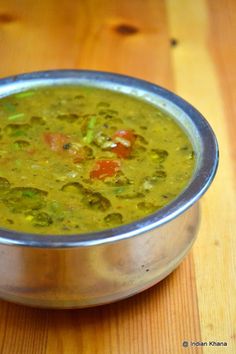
(96, 268)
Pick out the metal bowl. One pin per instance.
(100, 267)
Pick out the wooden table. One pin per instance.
(189, 47)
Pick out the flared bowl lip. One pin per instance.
(205, 170)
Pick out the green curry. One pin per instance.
(77, 159)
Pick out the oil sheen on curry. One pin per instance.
(77, 159)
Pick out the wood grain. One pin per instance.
(221, 41)
(153, 40)
(86, 34)
(197, 60)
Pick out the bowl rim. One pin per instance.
(196, 188)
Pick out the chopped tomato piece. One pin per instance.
(122, 151)
(56, 140)
(124, 140)
(126, 134)
(105, 168)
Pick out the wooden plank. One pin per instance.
(199, 77)
(127, 37)
(222, 47)
(99, 35)
(24, 330)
